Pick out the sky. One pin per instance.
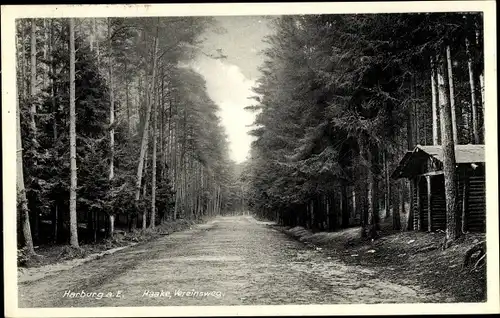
(230, 80)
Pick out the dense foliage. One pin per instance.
(340, 100)
(127, 70)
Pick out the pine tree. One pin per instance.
(449, 162)
(72, 133)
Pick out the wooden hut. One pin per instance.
(423, 166)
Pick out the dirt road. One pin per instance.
(229, 261)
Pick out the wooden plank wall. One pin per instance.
(476, 209)
(423, 205)
(414, 206)
(438, 202)
(475, 213)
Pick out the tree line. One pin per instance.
(114, 128)
(343, 97)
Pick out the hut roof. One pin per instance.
(463, 154)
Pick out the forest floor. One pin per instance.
(55, 258)
(414, 258)
(227, 261)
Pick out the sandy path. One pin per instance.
(230, 261)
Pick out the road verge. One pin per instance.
(413, 256)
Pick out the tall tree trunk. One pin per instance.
(21, 192)
(145, 133)
(481, 87)
(480, 47)
(162, 123)
(72, 136)
(219, 201)
(475, 124)
(370, 187)
(435, 136)
(344, 206)
(452, 219)
(452, 95)
(153, 163)
(54, 120)
(96, 38)
(387, 195)
(111, 123)
(144, 189)
(22, 60)
(111, 107)
(33, 83)
(409, 130)
(175, 164)
(92, 37)
(416, 112)
(127, 102)
(371, 192)
(45, 51)
(170, 134)
(183, 162)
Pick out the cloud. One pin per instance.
(230, 89)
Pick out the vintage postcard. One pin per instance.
(250, 159)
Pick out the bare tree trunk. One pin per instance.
(54, 120)
(371, 192)
(481, 84)
(96, 38)
(22, 59)
(145, 134)
(175, 156)
(33, 110)
(144, 189)
(416, 112)
(111, 224)
(72, 134)
(92, 36)
(475, 126)
(111, 122)
(219, 201)
(21, 192)
(479, 46)
(449, 162)
(127, 102)
(409, 128)
(111, 106)
(387, 197)
(435, 136)
(452, 95)
(33, 82)
(202, 190)
(45, 51)
(161, 106)
(183, 162)
(370, 187)
(153, 163)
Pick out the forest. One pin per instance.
(115, 130)
(343, 97)
(365, 173)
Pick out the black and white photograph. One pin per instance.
(250, 159)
